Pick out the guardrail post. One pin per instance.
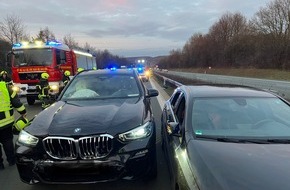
(164, 83)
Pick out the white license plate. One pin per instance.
(31, 87)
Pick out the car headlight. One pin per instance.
(137, 133)
(54, 87)
(16, 88)
(27, 139)
(147, 73)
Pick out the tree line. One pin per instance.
(235, 42)
(13, 30)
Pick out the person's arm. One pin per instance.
(16, 103)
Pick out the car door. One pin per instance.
(175, 110)
(168, 116)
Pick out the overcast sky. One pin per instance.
(126, 27)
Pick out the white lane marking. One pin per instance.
(161, 100)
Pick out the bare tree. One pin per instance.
(224, 33)
(273, 23)
(70, 41)
(87, 47)
(45, 35)
(12, 29)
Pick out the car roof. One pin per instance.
(214, 90)
(108, 71)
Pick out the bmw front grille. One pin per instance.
(86, 148)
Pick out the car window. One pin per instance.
(174, 100)
(241, 117)
(102, 86)
(180, 110)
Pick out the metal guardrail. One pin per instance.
(281, 88)
(168, 80)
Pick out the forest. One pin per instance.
(261, 42)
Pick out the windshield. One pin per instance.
(33, 57)
(102, 86)
(264, 118)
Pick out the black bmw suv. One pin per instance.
(100, 129)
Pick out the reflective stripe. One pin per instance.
(7, 114)
(6, 121)
(4, 97)
(13, 94)
(20, 109)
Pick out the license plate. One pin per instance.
(31, 87)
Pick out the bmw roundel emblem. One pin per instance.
(77, 130)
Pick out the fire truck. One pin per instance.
(30, 60)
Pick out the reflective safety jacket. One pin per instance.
(65, 80)
(43, 88)
(8, 101)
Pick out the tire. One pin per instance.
(30, 100)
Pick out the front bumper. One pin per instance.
(143, 78)
(131, 161)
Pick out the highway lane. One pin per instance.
(9, 179)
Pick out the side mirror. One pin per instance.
(173, 129)
(152, 92)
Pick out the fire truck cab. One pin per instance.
(30, 60)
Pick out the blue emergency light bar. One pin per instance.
(53, 43)
(17, 45)
(36, 43)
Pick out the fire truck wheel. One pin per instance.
(30, 100)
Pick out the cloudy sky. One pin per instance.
(126, 27)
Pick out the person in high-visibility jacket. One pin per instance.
(43, 89)
(4, 77)
(80, 69)
(66, 78)
(8, 101)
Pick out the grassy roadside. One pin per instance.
(253, 73)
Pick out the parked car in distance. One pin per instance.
(226, 137)
(144, 77)
(100, 129)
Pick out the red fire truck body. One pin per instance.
(30, 60)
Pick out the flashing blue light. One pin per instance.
(53, 43)
(17, 45)
(139, 69)
(113, 69)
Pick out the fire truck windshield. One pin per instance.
(32, 57)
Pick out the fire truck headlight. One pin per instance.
(54, 87)
(15, 88)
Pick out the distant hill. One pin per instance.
(149, 61)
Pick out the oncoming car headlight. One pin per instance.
(27, 139)
(137, 133)
(147, 73)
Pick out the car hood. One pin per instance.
(221, 165)
(75, 118)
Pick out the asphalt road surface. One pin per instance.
(9, 178)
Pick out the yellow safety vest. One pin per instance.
(5, 105)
